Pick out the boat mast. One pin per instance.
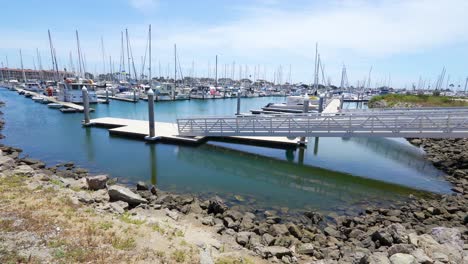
(103, 58)
(149, 52)
(216, 72)
(128, 55)
(22, 69)
(316, 68)
(79, 54)
(52, 54)
(175, 70)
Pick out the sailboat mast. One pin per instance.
(22, 68)
(216, 72)
(128, 55)
(52, 54)
(175, 69)
(79, 55)
(316, 68)
(103, 57)
(149, 52)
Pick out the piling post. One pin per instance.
(320, 106)
(107, 94)
(84, 92)
(238, 102)
(305, 110)
(134, 95)
(151, 115)
(341, 101)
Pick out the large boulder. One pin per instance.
(97, 182)
(401, 258)
(120, 193)
(24, 170)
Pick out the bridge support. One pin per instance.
(84, 92)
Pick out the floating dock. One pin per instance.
(168, 132)
(124, 99)
(78, 108)
(332, 107)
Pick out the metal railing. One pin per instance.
(433, 124)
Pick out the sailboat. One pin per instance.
(70, 90)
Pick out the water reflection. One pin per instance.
(153, 161)
(404, 154)
(282, 182)
(89, 145)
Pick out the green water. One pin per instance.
(332, 174)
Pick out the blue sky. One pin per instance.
(403, 39)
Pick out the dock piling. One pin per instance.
(341, 101)
(134, 95)
(107, 95)
(238, 102)
(320, 106)
(302, 140)
(84, 92)
(151, 115)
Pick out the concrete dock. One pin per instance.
(77, 107)
(332, 107)
(168, 132)
(124, 99)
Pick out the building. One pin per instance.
(17, 74)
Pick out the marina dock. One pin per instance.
(168, 132)
(76, 107)
(332, 107)
(124, 99)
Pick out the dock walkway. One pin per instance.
(168, 132)
(54, 100)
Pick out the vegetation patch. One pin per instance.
(419, 100)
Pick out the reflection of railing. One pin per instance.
(436, 124)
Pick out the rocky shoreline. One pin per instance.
(418, 231)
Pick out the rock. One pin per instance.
(377, 258)
(235, 215)
(295, 231)
(421, 257)
(246, 224)
(384, 238)
(267, 239)
(400, 248)
(420, 215)
(284, 241)
(254, 241)
(6, 163)
(205, 257)
(84, 197)
(208, 220)
(450, 236)
(97, 182)
(153, 190)
(439, 256)
(276, 251)
(172, 214)
(330, 231)
(119, 206)
(80, 171)
(24, 170)
(413, 239)
(216, 206)
(141, 186)
(398, 233)
(306, 249)
(242, 238)
(278, 230)
(120, 193)
(314, 217)
(401, 258)
(457, 189)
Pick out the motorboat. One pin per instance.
(71, 91)
(293, 104)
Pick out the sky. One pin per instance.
(402, 41)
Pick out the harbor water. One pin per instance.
(331, 174)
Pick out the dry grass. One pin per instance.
(64, 232)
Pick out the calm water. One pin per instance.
(331, 174)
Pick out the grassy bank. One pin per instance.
(392, 100)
